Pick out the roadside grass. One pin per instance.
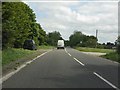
(45, 47)
(86, 49)
(112, 56)
(12, 54)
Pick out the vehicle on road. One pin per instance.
(30, 45)
(60, 44)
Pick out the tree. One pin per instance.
(18, 22)
(53, 37)
(42, 37)
(79, 39)
(66, 42)
(91, 42)
(75, 38)
(109, 45)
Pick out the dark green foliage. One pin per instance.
(79, 39)
(19, 24)
(42, 37)
(66, 42)
(112, 56)
(75, 38)
(17, 19)
(53, 37)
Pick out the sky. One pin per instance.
(85, 16)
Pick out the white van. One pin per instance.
(60, 44)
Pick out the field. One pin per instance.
(86, 49)
(110, 54)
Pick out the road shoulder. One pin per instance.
(6, 69)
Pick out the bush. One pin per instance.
(112, 56)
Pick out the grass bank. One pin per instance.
(112, 56)
(86, 49)
(45, 47)
(13, 54)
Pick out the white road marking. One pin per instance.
(4, 78)
(69, 54)
(74, 58)
(105, 80)
(66, 50)
(79, 62)
(116, 62)
(41, 55)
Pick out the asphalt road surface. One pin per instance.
(66, 68)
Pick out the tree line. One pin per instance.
(19, 24)
(82, 40)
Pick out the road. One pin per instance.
(67, 68)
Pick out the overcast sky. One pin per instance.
(66, 17)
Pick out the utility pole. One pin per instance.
(96, 37)
(96, 33)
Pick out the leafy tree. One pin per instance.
(18, 22)
(53, 37)
(75, 38)
(91, 42)
(42, 37)
(79, 39)
(66, 42)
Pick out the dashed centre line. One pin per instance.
(69, 54)
(79, 62)
(105, 80)
(109, 83)
(75, 58)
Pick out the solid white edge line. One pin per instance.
(4, 78)
(79, 62)
(105, 80)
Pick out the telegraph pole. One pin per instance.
(96, 37)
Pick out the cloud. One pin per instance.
(86, 17)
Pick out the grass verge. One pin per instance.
(12, 58)
(45, 47)
(12, 54)
(86, 49)
(112, 56)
